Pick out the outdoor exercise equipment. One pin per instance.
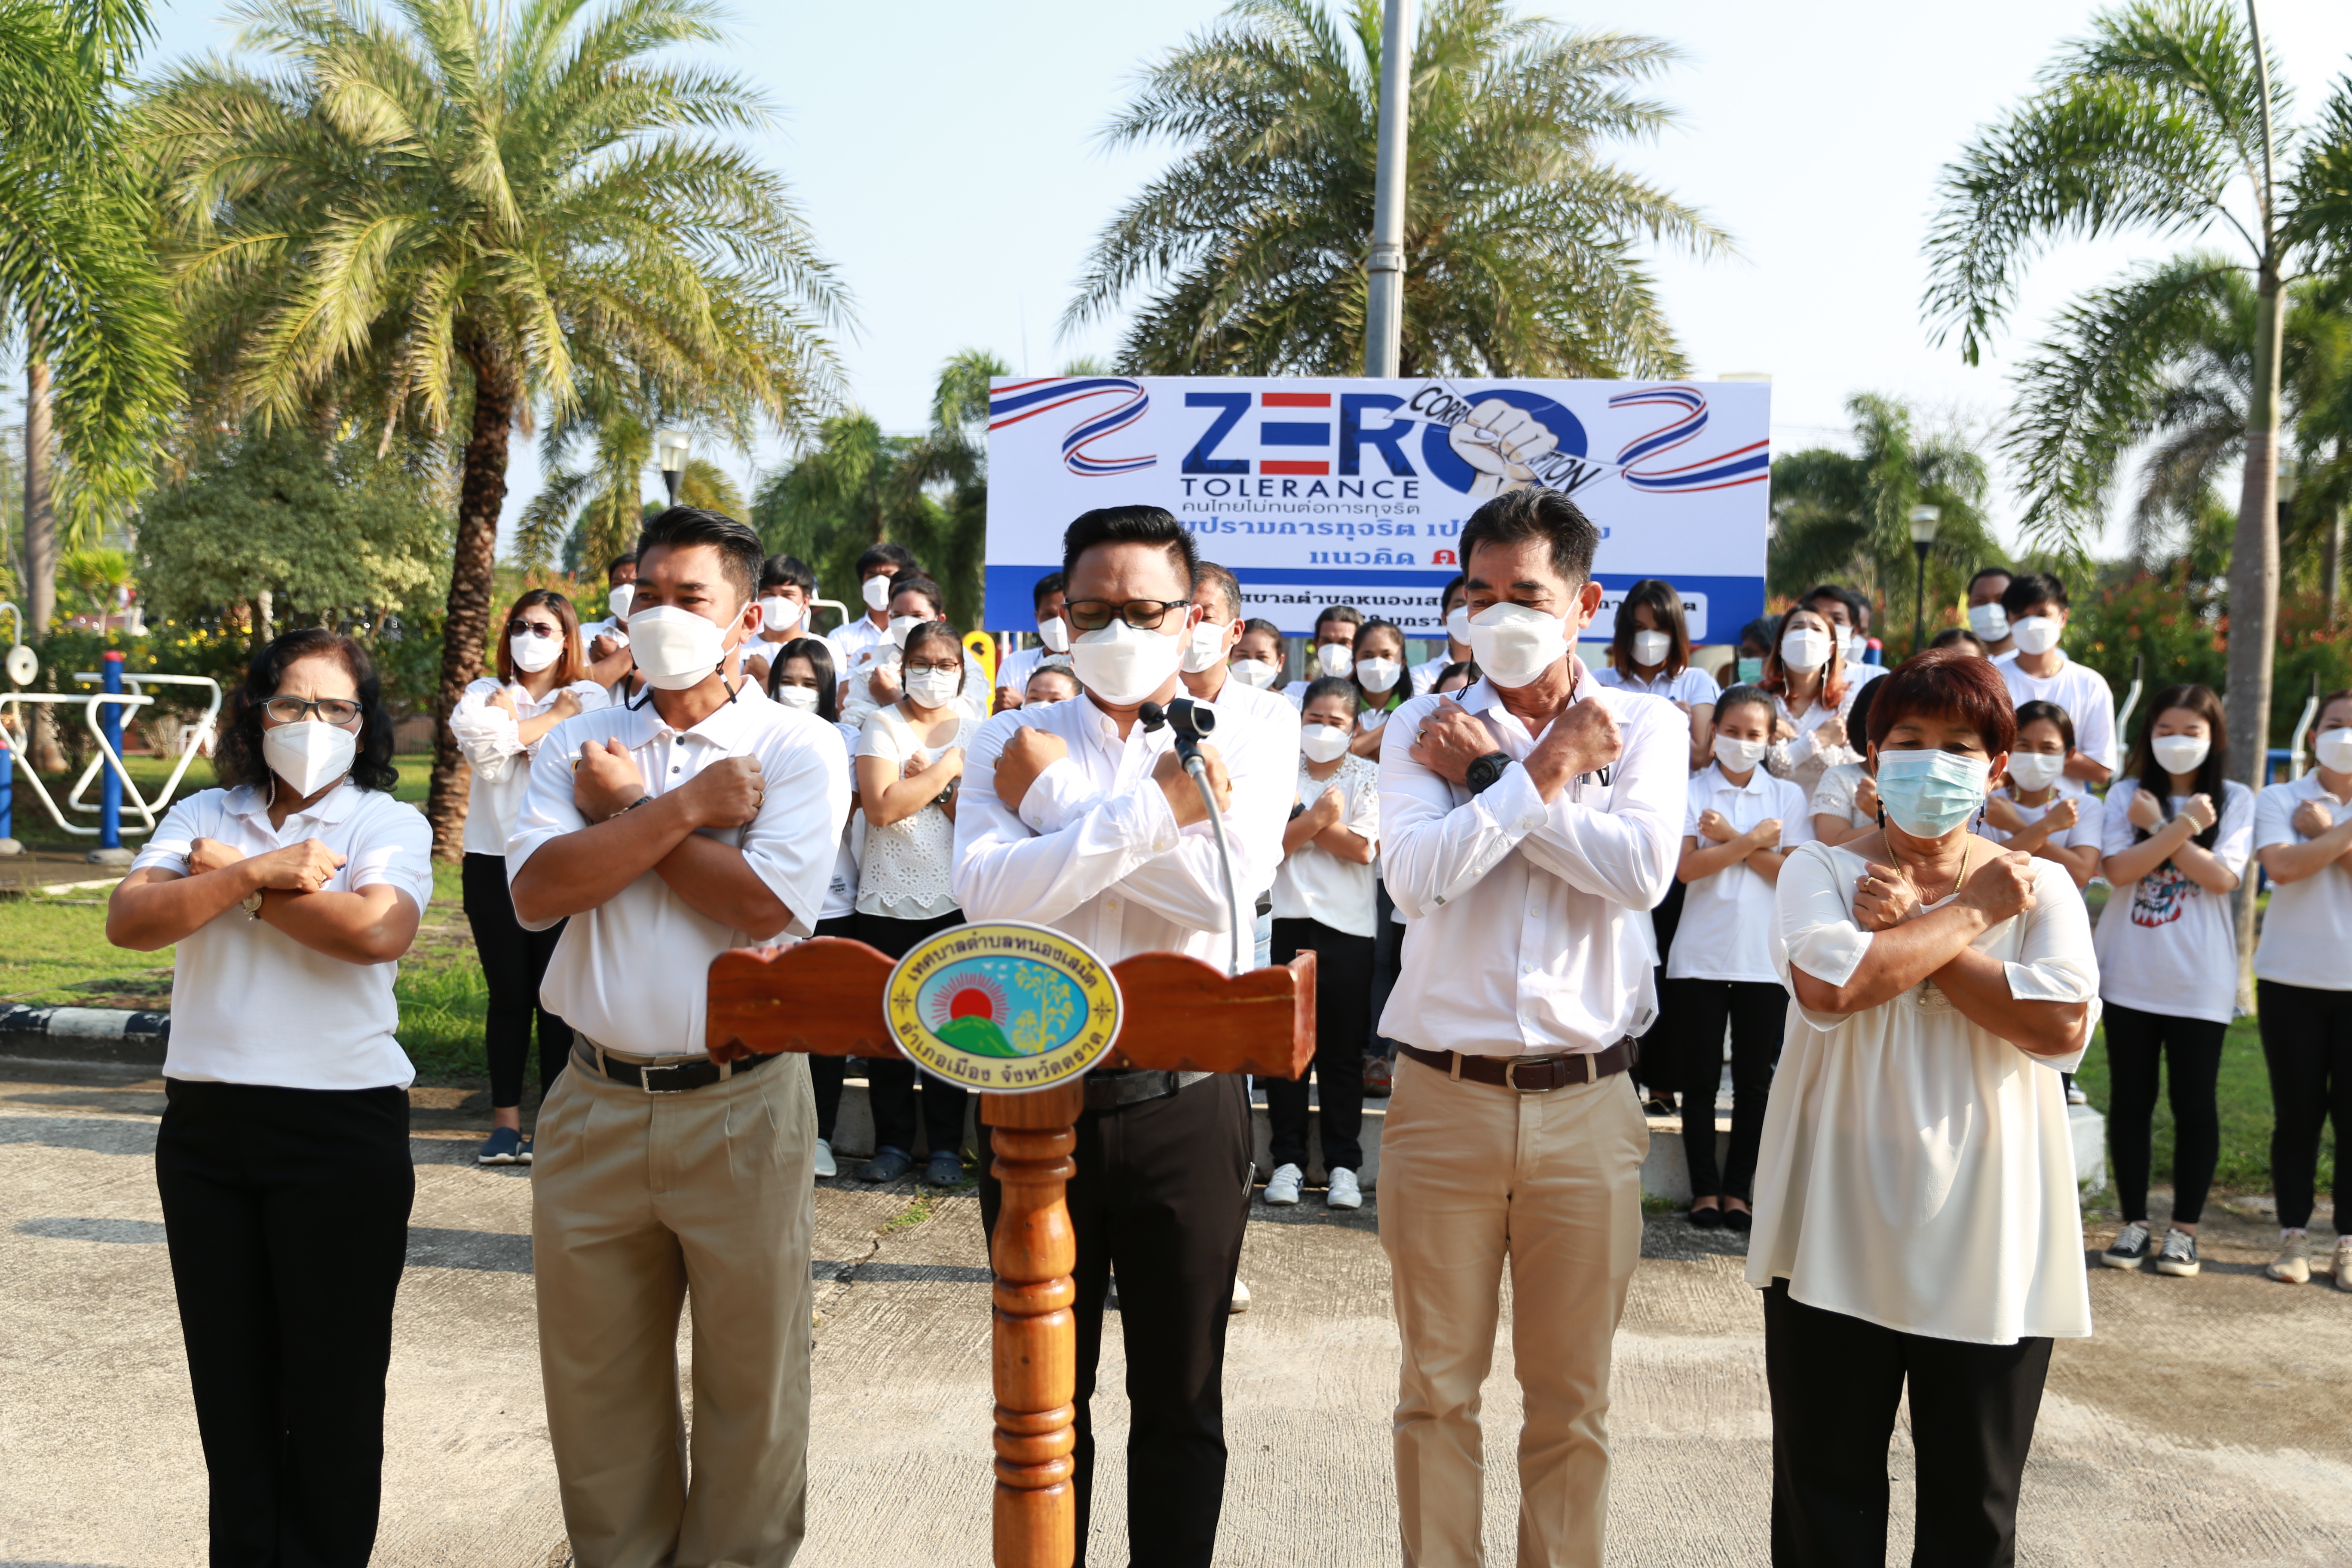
(102, 713)
(830, 997)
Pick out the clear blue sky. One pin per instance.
(946, 157)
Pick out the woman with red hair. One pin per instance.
(1916, 1211)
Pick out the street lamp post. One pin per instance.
(1384, 282)
(1924, 520)
(669, 451)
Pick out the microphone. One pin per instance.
(1192, 721)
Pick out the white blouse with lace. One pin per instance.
(1805, 759)
(908, 867)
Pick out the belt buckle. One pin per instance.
(1511, 1079)
(645, 1078)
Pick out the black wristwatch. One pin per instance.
(1485, 770)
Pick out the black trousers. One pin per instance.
(2190, 1051)
(1656, 1064)
(1694, 1015)
(1343, 997)
(2307, 1041)
(1388, 958)
(890, 1085)
(1161, 1196)
(1835, 1381)
(827, 1073)
(514, 961)
(286, 1211)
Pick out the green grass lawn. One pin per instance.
(2245, 1101)
(54, 950)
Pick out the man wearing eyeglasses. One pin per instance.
(1076, 817)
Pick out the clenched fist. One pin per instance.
(303, 867)
(1883, 898)
(1582, 740)
(1715, 827)
(2001, 887)
(1028, 751)
(726, 793)
(1500, 440)
(604, 779)
(1184, 794)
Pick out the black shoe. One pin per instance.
(888, 1165)
(1739, 1219)
(1706, 1218)
(944, 1169)
(1659, 1105)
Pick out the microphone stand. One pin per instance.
(1191, 720)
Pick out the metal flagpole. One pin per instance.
(1384, 301)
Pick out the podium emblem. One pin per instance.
(1003, 1006)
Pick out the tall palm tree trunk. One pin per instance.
(482, 496)
(2253, 586)
(40, 550)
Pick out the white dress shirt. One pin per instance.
(2089, 822)
(853, 637)
(249, 1004)
(633, 972)
(1424, 676)
(1916, 1170)
(1022, 663)
(1096, 852)
(841, 892)
(1726, 931)
(1529, 932)
(1691, 685)
(1314, 884)
(2307, 930)
(491, 739)
(2083, 692)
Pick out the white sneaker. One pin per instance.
(1240, 1299)
(2292, 1265)
(1282, 1187)
(824, 1165)
(2074, 1095)
(1344, 1194)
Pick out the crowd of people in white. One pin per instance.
(1531, 883)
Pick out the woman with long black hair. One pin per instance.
(2176, 838)
(282, 1159)
(542, 679)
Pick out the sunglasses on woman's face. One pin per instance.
(518, 628)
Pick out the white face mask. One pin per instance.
(1205, 647)
(309, 755)
(2175, 754)
(1335, 659)
(675, 649)
(933, 688)
(2034, 770)
(1123, 665)
(2334, 749)
(778, 614)
(532, 653)
(1054, 633)
(1379, 676)
(2037, 634)
(801, 697)
(1457, 624)
(1805, 648)
(876, 592)
(1650, 648)
(619, 599)
(902, 625)
(1322, 742)
(1513, 644)
(1739, 756)
(1856, 645)
(1254, 672)
(1990, 621)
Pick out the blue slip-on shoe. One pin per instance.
(503, 1146)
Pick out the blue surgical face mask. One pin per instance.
(1751, 670)
(1930, 793)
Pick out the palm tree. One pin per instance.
(1845, 516)
(1521, 240)
(441, 212)
(593, 461)
(76, 274)
(2166, 118)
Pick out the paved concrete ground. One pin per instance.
(2206, 1422)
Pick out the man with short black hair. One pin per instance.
(1077, 817)
(700, 818)
(1333, 652)
(1457, 637)
(1053, 638)
(876, 565)
(1849, 613)
(786, 586)
(2038, 671)
(1526, 830)
(1985, 617)
(607, 641)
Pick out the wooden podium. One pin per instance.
(824, 996)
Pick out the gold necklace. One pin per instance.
(1968, 846)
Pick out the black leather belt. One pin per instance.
(1529, 1074)
(1118, 1090)
(663, 1077)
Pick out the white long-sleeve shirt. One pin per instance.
(1528, 932)
(491, 740)
(1096, 851)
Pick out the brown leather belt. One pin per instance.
(1528, 1074)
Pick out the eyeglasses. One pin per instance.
(1143, 614)
(532, 628)
(337, 710)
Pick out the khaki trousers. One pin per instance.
(636, 1200)
(1472, 1175)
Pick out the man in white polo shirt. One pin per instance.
(2040, 672)
(700, 818)
(1526, 830)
